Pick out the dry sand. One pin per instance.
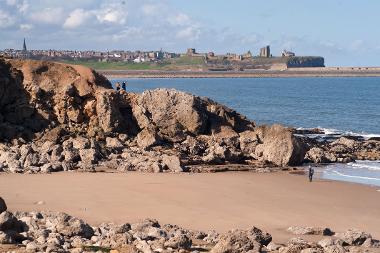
(200, 201)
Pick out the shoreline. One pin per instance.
(270, 201)
(290, 73)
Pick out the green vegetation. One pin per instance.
(187, 60)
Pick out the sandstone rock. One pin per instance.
(279, 146)
(242, 241)
(69, 226)
(3, 206)
(248, 142)
(273, 246)
(354, 237)
(148, 138)
(9, 223)
(236, 242)
(334, 249)
(349, 143)
(318, 155)
(88, 156)
(309, 231)
(113, 143)
(172, 163)
(176, 114)
(179, 241)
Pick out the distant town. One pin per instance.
(187, 60)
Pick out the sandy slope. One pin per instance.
(200, 201)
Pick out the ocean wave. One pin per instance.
(357, 177)
(369, 165)
(337, 132)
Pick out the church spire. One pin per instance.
(24, 46)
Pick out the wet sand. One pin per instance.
(220, 201)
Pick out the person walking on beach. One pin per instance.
(124, 86)
(311, 173)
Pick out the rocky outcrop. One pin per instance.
(57, 117)
(60, 232)
(37, 95)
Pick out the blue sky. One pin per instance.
(345, 32)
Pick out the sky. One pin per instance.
(345, 32)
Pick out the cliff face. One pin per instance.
(37, 95)
(305, 61)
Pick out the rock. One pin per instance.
(88, 156)
(312, 250)
(309, 231)
(3, 206)
(349, 143)
(248, 142)
(46, 168)
(70, 226)
(179, 241)
(31, 247)
(148, 138)
(334, 249)
(354, 237)
(279, 146)
(242, 241)
(172, 163)
(7, 221)
(176, 114)
(113, 143)
(318, 155)
(273, 246)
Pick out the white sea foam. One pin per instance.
(358, 177)
(336, 132)
(369, 165)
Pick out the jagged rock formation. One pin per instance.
(56, 117)
(60, 232)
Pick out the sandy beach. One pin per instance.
(220, 201)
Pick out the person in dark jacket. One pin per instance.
(311, 173)
(124, 86)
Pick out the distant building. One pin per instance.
(287, 54)
(191, 51)
(24, 53)
(265, 52)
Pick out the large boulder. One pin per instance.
(3, 206)
(279, 146)
(176, 114)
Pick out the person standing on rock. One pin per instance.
(117, 85)
(311, 173)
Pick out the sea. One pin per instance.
(338, 106)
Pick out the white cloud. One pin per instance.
(6, 20)
(180, 19)
(112, 16)
(26, 27)
(189, 33)
(150, 9)
(76, 18)
(49, 16)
